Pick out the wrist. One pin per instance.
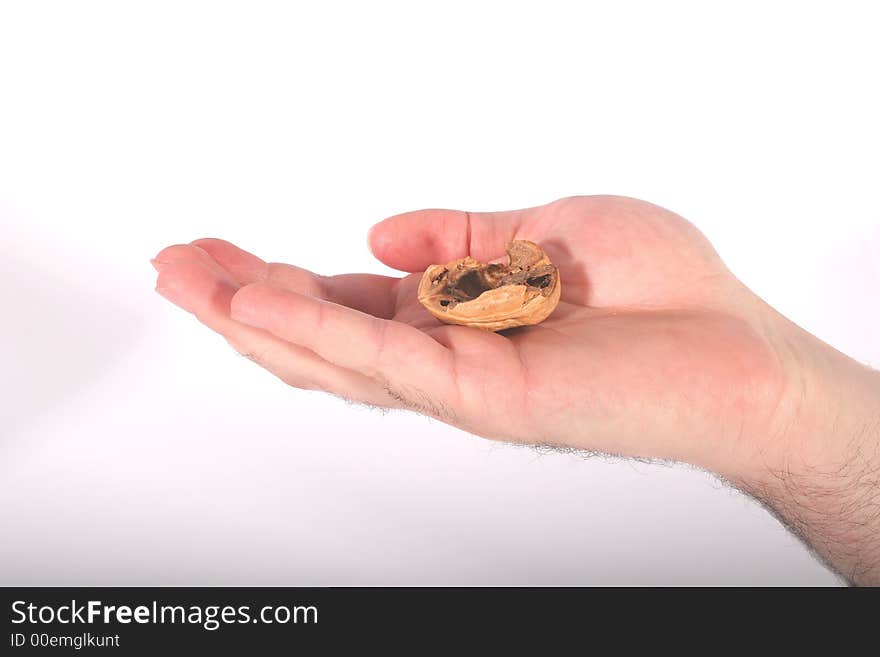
(830, 413)
(818, 468)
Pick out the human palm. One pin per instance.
(655, 349)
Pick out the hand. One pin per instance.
(655, 350)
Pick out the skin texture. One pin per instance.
(656, 350)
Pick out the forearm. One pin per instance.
(824, 482)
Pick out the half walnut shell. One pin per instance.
(493, 296)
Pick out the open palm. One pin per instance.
(655, 349)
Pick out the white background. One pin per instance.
(136, 447)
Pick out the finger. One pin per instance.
(368, 293)
(415, 240)
(206, 292)
(302, 368)
(188, 252)
(189, 278)
(413, 367)
(244, 267)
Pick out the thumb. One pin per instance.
(413, 241)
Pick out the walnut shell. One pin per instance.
(493, 296)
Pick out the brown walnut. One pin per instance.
(493, 296)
